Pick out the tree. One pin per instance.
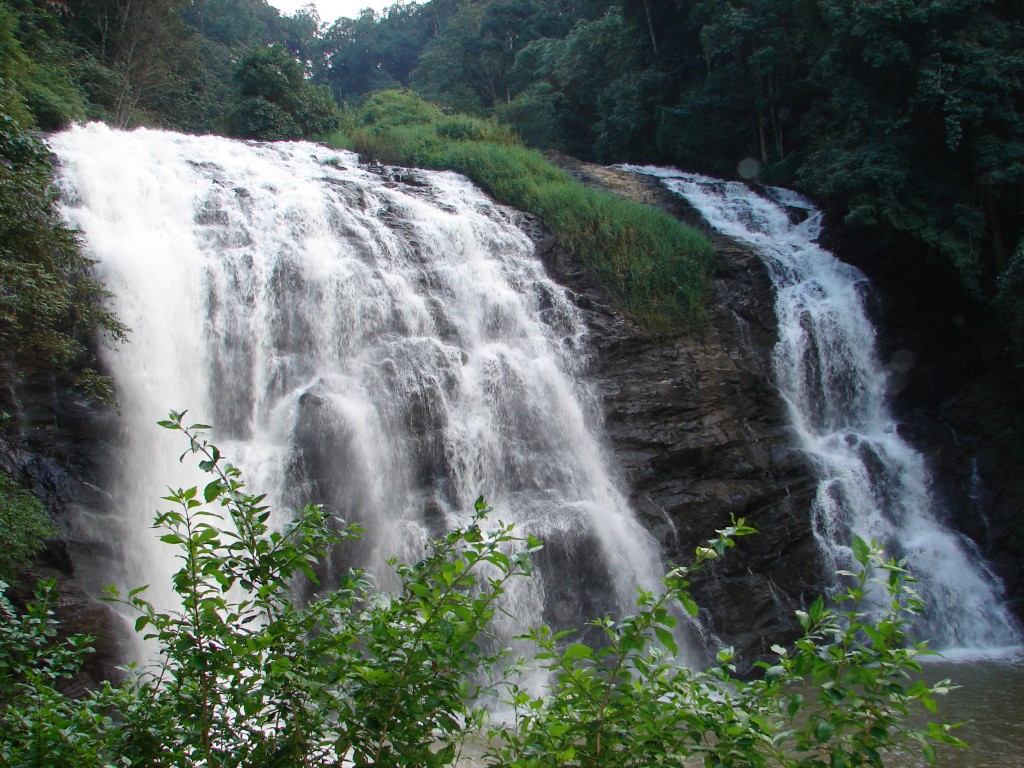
(276, 101)
(371, 52)
(138, 42)
(39, 64)
(923, 108)
(49, 300)
(232, 23)
(468, 65)
(607, 89)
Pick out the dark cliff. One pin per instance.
(702, 436)
(49, 445)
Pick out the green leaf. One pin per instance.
(861, 550)
(667, 639)
(794, 704)
(577, 651)
(689, 606)
(929, 753)
(824, 730)
(774, 674)
(213, 490)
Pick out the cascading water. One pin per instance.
(872, 483)
(390, 350)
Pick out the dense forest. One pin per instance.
(905, 119)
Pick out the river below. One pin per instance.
(989, 701)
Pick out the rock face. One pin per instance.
(702, 436)
(49, 446)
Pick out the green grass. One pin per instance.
(24, 527)
(657, 268)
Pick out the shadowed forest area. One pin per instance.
(905, 119)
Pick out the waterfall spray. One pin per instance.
(389, 350)
(871, 482)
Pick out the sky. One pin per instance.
(330, 10)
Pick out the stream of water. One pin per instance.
(389, 350)
(872, 483)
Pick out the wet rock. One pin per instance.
(53, 445)
(702, 436)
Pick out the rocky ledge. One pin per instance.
(702, 436)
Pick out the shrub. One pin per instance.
(24, 527)
(249, 678)
(627, 703)
(39, 724)
(48, 298)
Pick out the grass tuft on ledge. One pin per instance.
(657, 268)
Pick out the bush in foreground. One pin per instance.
(249, 678)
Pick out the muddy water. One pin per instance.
(990, 703)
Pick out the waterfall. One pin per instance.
(871, 482)
(388, 347)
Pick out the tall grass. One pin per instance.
(654, 266)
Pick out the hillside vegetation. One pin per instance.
(651, 264)
(905, 119)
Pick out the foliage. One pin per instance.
(468, 65)
(231, 23)
(37, 64)
(537, 114)
(277, 102)
(162, 62)
(602, 77)
(247, 677)
(48, 298)
(140, 44)
(657, 268)
(39, 724)
(371, 52)
(627, 702)
(24, 527)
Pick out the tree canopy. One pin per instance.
(904, 119)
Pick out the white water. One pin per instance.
(872, 483)
(388, 350)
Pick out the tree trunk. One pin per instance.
(650, 27)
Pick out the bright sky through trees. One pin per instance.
(329, 10)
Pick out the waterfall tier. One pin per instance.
(390, 348)
(871, 482)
